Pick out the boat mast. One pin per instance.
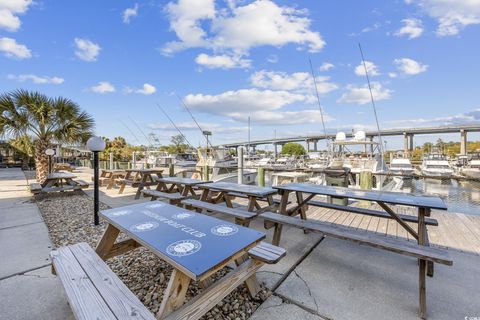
(318, 101)
(175, 126)
(373, 102)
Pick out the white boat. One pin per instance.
(369, 158)
(317, 160)
(402, 168)
(223, 167)
(436, 165)
(183, 160)
(472, 169)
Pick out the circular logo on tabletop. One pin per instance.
(144, 226)
(120, 213)
(224, 230)
(183, 215)
(183, 248)
(156, 205)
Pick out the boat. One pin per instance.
(472, 168)
(402, 168)
(369, 158)
(184, 160)
(436, 165)
(223, 167)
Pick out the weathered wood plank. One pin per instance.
(199, 305)
(123, 303)
(369, 212)
(174, 294)
(345, 233)
(122, 247)
(267, 253)
(84, 299)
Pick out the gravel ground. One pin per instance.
(69, 219)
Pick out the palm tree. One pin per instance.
(47, 120)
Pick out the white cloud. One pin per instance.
(12, 49)
(103, 87)
(452, 15)
(361, 95)
(467, 118)
(273, 58)
(147, 89)
(86, 49)
(262, 106)
(9, 11)
(372, 69)
(36, 79)
(222, 61)
(326, 66)
(392, 74)
(412, 28)
(192, 126)
(410, 66)
(130, 13)
(237, 29)
(301, 81)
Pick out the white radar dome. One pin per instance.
(341, 136)
(360, 135)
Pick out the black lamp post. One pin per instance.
(49, 153)
(95, 144)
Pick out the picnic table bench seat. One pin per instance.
(173, 198)
(396, 245)
(82, 183)
(93, 290)
(129, 182)
(35, 187)
(267, 253)
(241, 195)
(242, 215)
(370, 212)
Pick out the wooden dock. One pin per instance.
(455, 230)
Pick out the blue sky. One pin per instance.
(230, 60)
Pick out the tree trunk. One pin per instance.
(41, 160)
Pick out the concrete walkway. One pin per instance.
(28, 290)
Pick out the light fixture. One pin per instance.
(95, 144)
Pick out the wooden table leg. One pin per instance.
(251, 283)
(422, 265)
(282, 210)
(174, 294)
(124, 183)
(106, 242)
(140, 186)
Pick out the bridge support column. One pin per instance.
(275, 150)
(410, 142)
(307, 142)
(405, 143)
(315, 145)
(463, 142)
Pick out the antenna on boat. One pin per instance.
(173, 123)
(140, 129)
(373, 100)
(131, 132)
(204, 133)
(318, 101)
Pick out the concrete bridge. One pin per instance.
(407, 133)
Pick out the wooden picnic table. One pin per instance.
(216, 192)
(423, 204)
(59, 181)
(140, 178)
(185, 186)
(111, 175)
(195, 245)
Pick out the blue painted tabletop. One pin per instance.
(189, 241)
